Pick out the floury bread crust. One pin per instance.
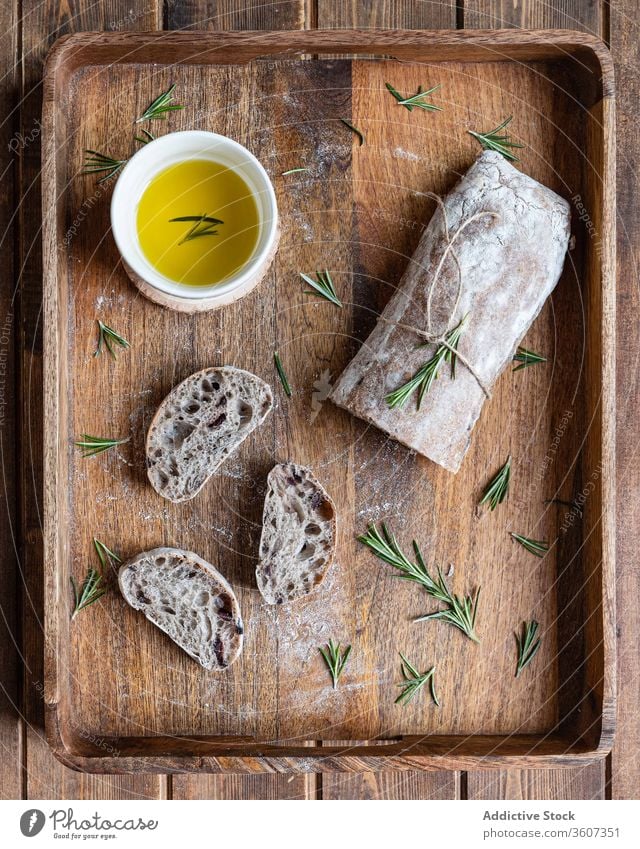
(509, 267)
(199, 424)
(298, 534)
(187, 599)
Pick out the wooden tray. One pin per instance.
(120, 696)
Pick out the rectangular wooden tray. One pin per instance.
(121, 696)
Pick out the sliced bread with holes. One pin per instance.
(189, 600)
(298, 534)
(199, 424)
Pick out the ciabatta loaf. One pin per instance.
(189, 600)
(199, 424)
(298, 534)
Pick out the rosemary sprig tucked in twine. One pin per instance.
(443, 339)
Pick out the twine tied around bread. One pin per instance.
(429, 335)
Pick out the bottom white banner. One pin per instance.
(316, 826)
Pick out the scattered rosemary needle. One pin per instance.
(459, 612)
(294, 171)
(91, 590)
(527, 358)
(92, 445)
(322, 287)
(108, 336)
(100, 163)
(493, 140)
(160, 106)
(528, 645)
(201, 225)
(104, 553)
(414, 682)
(145, 138)
(355, 130)
(335, 660)
(426, 374)
(497, 489)
(282, 374)
(534, 546)
(417, 100)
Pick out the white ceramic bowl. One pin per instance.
(149, 161)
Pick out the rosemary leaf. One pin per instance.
(501, 143)
(105, 554)
(282, 374)
(417, 100)
(92, 445)
(414, 682)
(528, 645)
(497, 489)
(322, 287)
(100, 163)
(91, 590)
(201, 225)
(459, 611)
(426, 374)
(353, 129)
(335, 660)
(160, 106)
(145, 138)
(107, 335)
(527, 358)
(534, 546)
(294, 171)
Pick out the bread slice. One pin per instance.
(187, 599)
(298, 534)
(199, 424)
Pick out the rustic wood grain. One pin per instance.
(392, 14)
(625, 766)
(589, 16)
(347, 219)
(11, 143)
(392, 785)
(218, 15)
(42, 24)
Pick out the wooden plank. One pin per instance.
(264, 786)
(42, 24)
(584, 783)
(625, 765)
(392, 14)
(391, 785)
(11, 142)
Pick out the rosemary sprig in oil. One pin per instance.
(497, 489)
(282, 374)
(160, 106)
(92, 445)
(500, 142)
(426, 374)
(459, 611)
(322, 287)
(417, 100)
(528, 644)
(108, 336)
(355, 130)
(201, 225)
(335, 659)
(527, 358)
(100, 163)
(534, 546)
(91, 590)
(414, 682)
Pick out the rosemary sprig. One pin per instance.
(527, 358)
(335, 660)
(426, 374)
(414, 682)
(99, 163)
(108, 335)
(201, 225)
(355, 130)
(92, 445)
(145, 138)
(501, 143)
(160, 106)
(105, 554)
(322, 287)
(534, 546)
(417, 100)
(294, 171)
(282, 374)
(91, 590)
(528, 645)
(497, 489)
(459, 612)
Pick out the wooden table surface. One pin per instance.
(27, 29)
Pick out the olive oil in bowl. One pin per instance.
(198, 222)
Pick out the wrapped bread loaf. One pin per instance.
(488, 260)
